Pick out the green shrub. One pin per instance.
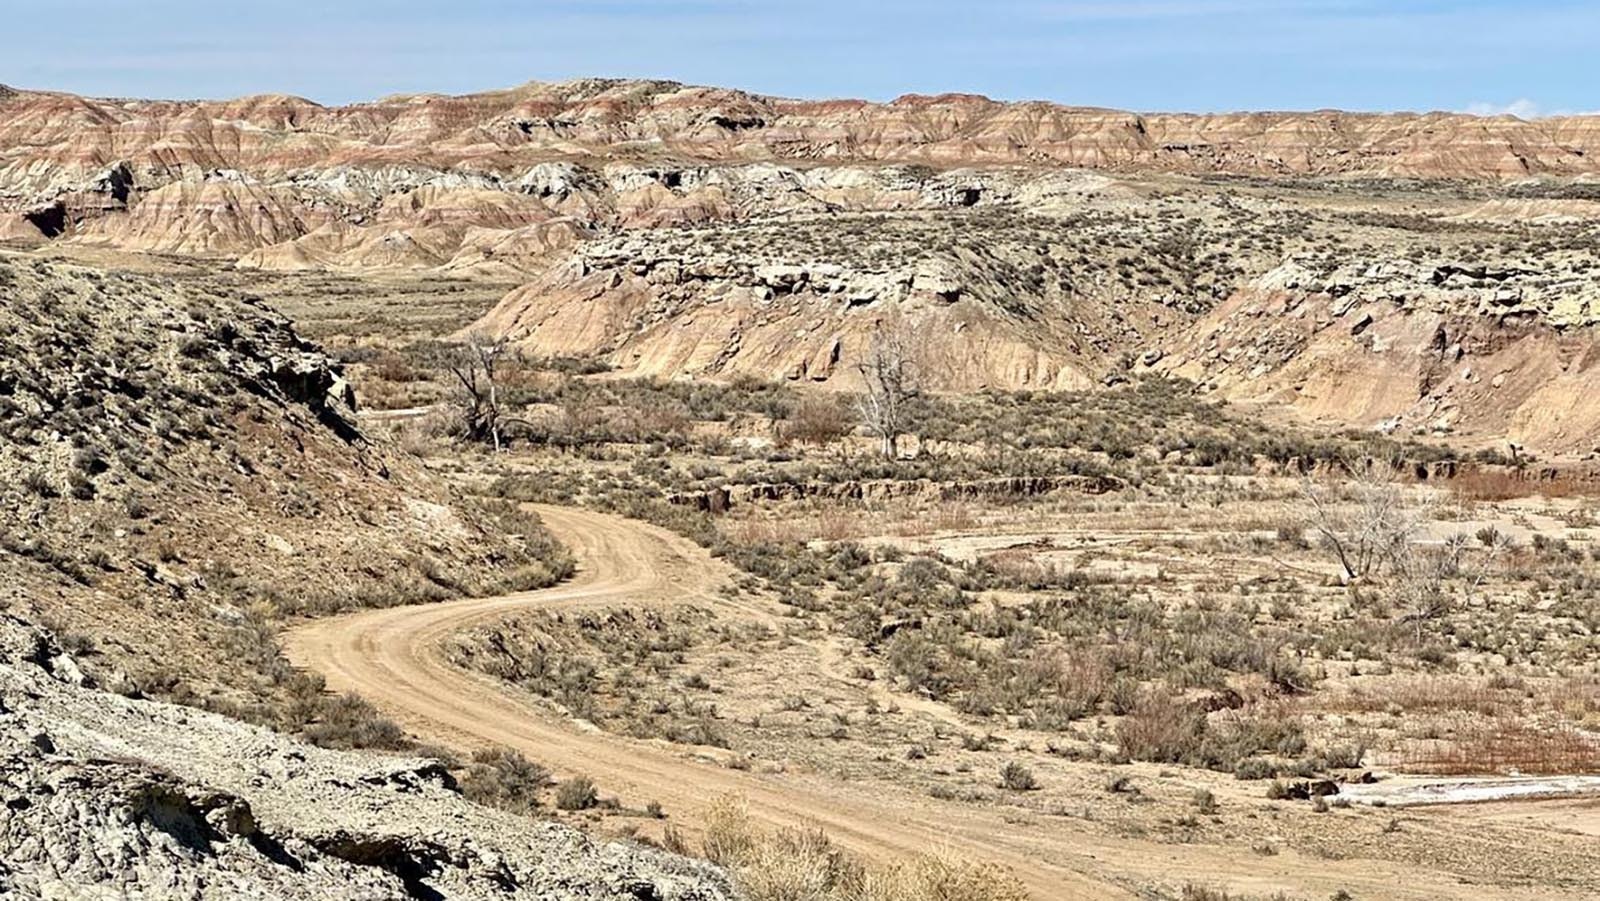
(504, 779)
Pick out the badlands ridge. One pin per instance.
(1414, 272)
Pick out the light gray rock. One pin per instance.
(103, 796)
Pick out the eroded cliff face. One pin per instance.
(236, 176)
(496, 131)
(1469, 319)
(985, 297)
(1411, 346)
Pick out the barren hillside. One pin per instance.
(180, 469)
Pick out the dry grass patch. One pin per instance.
(1424, 694)
(1506, 747)
(803, 864)
(1474, 484)
(825, 525)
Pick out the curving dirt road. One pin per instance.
(393, 658)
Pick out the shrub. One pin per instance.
(1161, 729)
(942, 877)
(1252, 768)
(730, 836)
(804, 865)
(347, 721)
(1017, 777)
(577, 793)
(1346, 757)
(1121, 785)
(819, 420)
(795, 864)
(504, 779)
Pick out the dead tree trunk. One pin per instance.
(478, 370)
(890, 386)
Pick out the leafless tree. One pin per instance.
(1374, 534)
(480, 367)
(1367, 531)
(1419, 575)
(1423, 576)
(890, 381)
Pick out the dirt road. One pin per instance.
(393, 658)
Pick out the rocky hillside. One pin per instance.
(109, 797)
(986, 298)
(1411, 346)
(1453, 321)
(180, 471)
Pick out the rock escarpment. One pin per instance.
(993, 295)
(687, 231)
(1429, 324)
(1426, 347)
(694, 311)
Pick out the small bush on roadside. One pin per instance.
(504, 779)
(347, 721)
(797, 864)
(577, 793)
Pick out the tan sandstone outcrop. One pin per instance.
(1430, 347)
(976, 227)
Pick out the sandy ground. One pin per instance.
(393, 658)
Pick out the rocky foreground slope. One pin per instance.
(106, 797)
(180, 472)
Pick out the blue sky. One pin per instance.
(1531, 57)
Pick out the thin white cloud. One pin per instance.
(1522, 108)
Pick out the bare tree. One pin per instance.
(1423, 575)
(1419, 575)
(891, 385)
(1375, 536)
(1369, 530)
(480, 367)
